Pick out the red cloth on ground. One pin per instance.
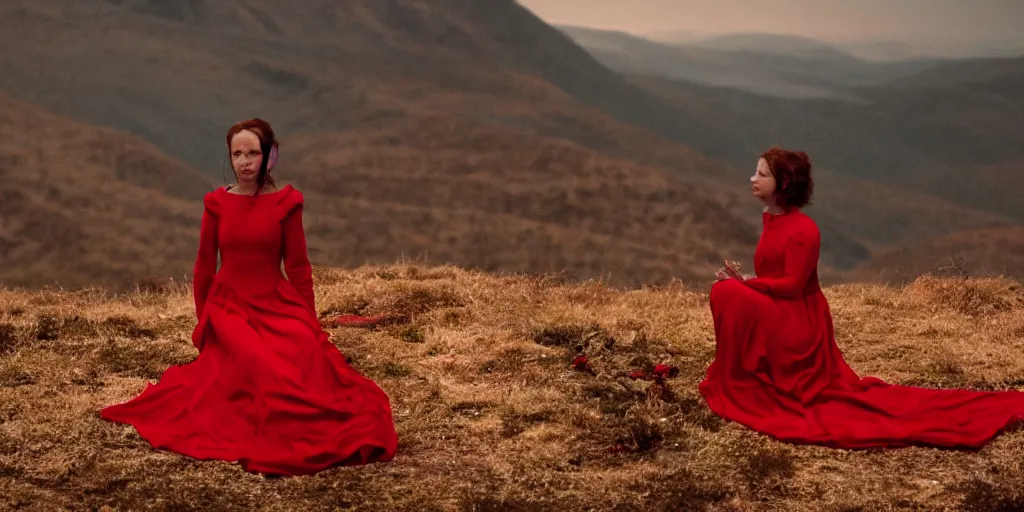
(778, 370)
(367, 321)
(268, 388)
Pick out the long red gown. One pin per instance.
(268, 389)
(778, 370)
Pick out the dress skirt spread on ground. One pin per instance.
(778, 370)
(268, 388)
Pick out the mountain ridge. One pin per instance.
(478, 196)
(449, 67)
(88, 206)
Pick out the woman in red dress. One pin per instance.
(268, 389)
(777, 369)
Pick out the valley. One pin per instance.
(484, 137)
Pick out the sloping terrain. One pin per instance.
(886, 215)
(867, 48)
(926, 125)
(91, 206)
(924, 149)
(84, 205)
(177, 75)
(508, 200)
(988, 252)
(953, 244)
(929, 138)
(781, 66)
(787, 45)
(403, 74)
(489, 411)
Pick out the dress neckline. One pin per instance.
(282, 189)
(768, 217)
(783, 212)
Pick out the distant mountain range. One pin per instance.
(867, 49)
(772, 65)
(437, 132)
(951, 131)
(920, 124)
(479, 135)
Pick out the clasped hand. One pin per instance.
(731, 270)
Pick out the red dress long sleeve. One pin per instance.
(206, 259)
(778, 370)
(799, 264)
(268, 389)
(296, 255)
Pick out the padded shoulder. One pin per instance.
(211, 201)
(808, 225)
(291, 200)
(805, 230)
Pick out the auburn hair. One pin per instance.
(794, 185)
(268, 141)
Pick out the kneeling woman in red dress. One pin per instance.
(777, 369)
(268, 388)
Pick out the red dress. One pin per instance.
(778, 370)
(268, 388)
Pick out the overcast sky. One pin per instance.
(900, 20)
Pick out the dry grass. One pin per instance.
(489, 411)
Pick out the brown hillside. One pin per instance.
(489, 413)
(854, 198)
(929, 135)
(508, 200)
(881, 214)
(425, 113)
(978, 74)
(979, 252)
(89, 206)
(175, 72)
(84, 205)
(998, 184)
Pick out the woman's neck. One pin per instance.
(245, 188)
(773, 208)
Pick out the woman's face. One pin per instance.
(246, 156)
(762, 183)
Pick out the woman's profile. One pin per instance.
(777, 368)
(268, 389)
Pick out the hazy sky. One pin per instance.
(902, 20)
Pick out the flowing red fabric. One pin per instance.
(778, 370)
(268, 388)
